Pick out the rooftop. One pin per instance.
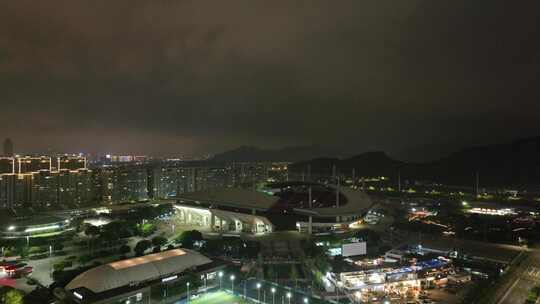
(233, 197)
(140, 269)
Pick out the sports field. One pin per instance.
(218, 297)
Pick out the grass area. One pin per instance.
(218, 297)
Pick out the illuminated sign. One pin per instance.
(78, 295)
(169, 279)
(41, 228)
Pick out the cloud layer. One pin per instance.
(173, 77)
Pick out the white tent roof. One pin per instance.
(148, 267)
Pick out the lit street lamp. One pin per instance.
(187, 284)
(289, 297)
(232, 283)
(273, 290)
(306, 300)
(259, 292)
(220, 274)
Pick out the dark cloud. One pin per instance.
(167, 77)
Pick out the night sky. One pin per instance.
(416, 78)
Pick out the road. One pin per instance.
(522, 280)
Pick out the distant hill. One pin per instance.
(289, 154)
(512, 164)
(370, 164)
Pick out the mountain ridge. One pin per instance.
(516, 163)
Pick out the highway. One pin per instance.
(521, 280)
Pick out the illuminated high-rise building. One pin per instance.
(7, 188)
(32, 164)
(45, 182)
(69, 162)
(122, 183)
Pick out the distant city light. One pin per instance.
(486, 211)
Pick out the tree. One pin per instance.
(35, 250)
(188, 238)
(142, 246)
(57, 246)
(146, 229)
(312, 250)
(59, 266)
(159, 241)
(13, 296)
(119, 229)
(271, 273)
(124, 249)
(91, 231)
(85, 258)
(369, 236)
(294, 273)
(193, 279)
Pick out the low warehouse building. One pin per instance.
(141, 280)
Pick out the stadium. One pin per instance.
(145, 279)
(307, 207)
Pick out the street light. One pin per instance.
(289, 297)
(259, 292)
(306, 300)
(273, 290)
(187, 284)
(220, 274)
(232, 283)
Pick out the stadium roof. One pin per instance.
(233, 197)
(357, 202)
(240, 216)
(149, 267)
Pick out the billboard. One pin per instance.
(353, 249)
